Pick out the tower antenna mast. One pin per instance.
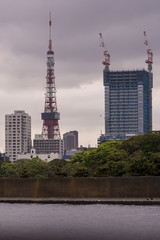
(149, 53)
(106, 61)
(50, 34)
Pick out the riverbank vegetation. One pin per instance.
(137, 156)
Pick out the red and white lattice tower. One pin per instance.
(50, 116)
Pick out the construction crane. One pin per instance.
(106, 61)
(149, 53)
(149, 61)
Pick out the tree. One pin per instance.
(79, 157)
(32, 168)
(57, 168)
(96, 157)
(139, 165)
(154, 159)
(146, 143)
(114, 166)
(81, 172)
(131, 145)
(9, 170)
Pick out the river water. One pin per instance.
(66, 221)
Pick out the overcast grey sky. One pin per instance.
(78, 56)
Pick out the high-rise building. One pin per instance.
(70, 140)
(17, 134)
(128, 104)
(128, 99)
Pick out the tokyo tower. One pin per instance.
(50, 116)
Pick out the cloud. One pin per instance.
(78, 56)
(88, 109)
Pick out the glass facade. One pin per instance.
(128, 104)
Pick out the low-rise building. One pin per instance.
(44, 157)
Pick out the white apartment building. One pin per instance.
(47, 146)
(17, 134)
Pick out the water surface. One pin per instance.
(67, 222)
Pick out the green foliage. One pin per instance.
(34, 168)
(57, 168)
(96, 157)
(81, 172)
(115, 165)
(79, 157)
(130, 146)
(9, 170)
(138, 165)
(137, 156)
(146, 143)
(154, 162)
(150, 142)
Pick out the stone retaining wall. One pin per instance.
(109, 187)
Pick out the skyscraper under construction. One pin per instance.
(128, 101)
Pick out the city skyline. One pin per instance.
(78, 57)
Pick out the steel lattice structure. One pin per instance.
(50, 116)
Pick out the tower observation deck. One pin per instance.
(50, 116)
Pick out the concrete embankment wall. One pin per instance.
(109, 187)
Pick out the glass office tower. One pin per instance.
(128, 104)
